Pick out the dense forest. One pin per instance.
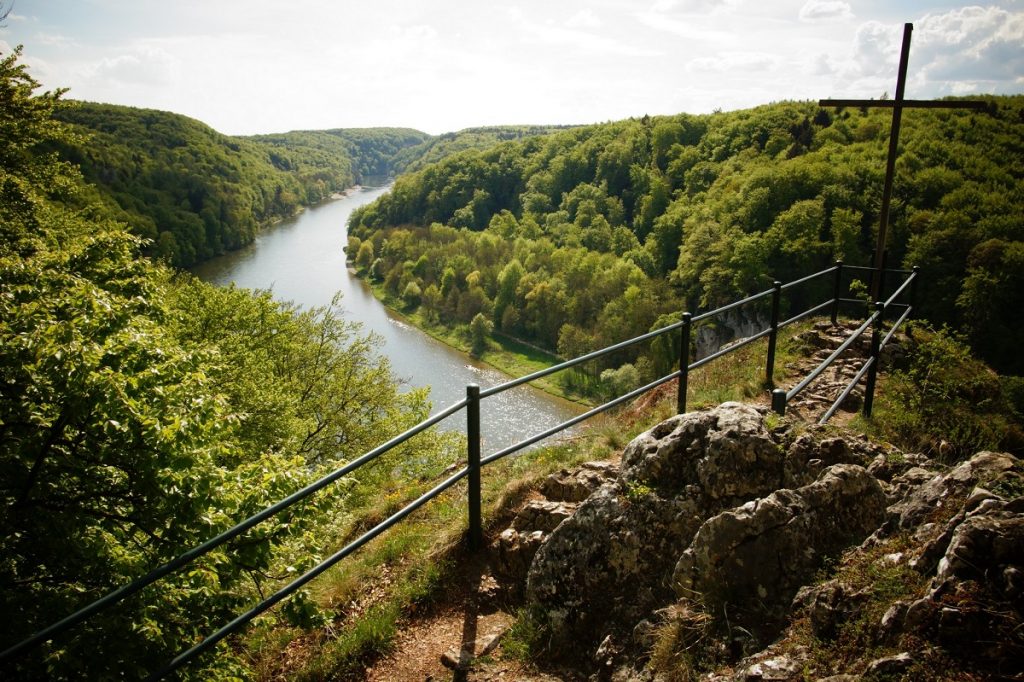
(593, 234)
(193, 193)
(144, 411)
(410, 159)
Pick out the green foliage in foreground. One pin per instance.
(717, 206)
(946, 403)
(143, 413)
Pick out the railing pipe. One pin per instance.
(684, 363)
(902, 318)
(835, 354)
(736, 345)
(732, 306)
(846, 391)
(309, 575)
(186, 558)
(837, 290)
(580, 418)
(909, 282)
(476, 535)
(869, 387)
(808, 278)
(806, 313)
(539, 374)
(769, 372)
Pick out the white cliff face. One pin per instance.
(726, 328)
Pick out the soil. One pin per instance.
(474, 609)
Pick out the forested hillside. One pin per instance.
(143, 411)
(434, 149)
(589, 235)
(194, 193)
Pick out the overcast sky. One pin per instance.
(254, 66)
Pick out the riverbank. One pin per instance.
(508, 355)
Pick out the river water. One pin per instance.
(301, 260)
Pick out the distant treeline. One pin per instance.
(586, 235)
(194, 193)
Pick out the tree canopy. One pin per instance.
(193, 193)
(701, 210)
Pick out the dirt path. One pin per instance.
(468, 622)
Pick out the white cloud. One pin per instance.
(974, 44)
(972, 49)
(585, 18)
(825, 10)
(577, 40)
(731, 62)
(146, 66)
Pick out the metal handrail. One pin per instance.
(846, 391)
(539, 374)
(870, 366)
(191, 555)
(816, 372)
(808, 278)
(292, 587)
(470, 403)
(579, 418)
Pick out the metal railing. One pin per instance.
(781, 397)
(475, 462)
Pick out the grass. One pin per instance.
(371, 594)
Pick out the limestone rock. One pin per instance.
(578, 484)
(515, 546)
(608, 566)
(947, 488)
(754, 558)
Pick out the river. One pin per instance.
(301, 260)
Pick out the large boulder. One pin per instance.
(750, 561)
(609, 565)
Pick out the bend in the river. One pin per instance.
(302, 260)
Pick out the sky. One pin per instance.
(254, 66)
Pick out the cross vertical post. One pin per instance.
(890, 165)
(898, 104)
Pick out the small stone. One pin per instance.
(890, 665)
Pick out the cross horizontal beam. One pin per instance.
(907, 104)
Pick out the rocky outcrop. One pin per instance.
(961, 532)
(612, 564)
(754, 558)
(712, 512)
(585, 576)
(562, 492)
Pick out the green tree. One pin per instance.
(480, 329)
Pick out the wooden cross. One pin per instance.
(898, 104)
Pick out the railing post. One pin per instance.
(476, 535)
(881, 276)
(836, 291)
(684, 362)
(779, 401)
(913, 286)
(769, 374)
(869, 388)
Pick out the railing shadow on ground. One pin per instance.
(475, 462)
